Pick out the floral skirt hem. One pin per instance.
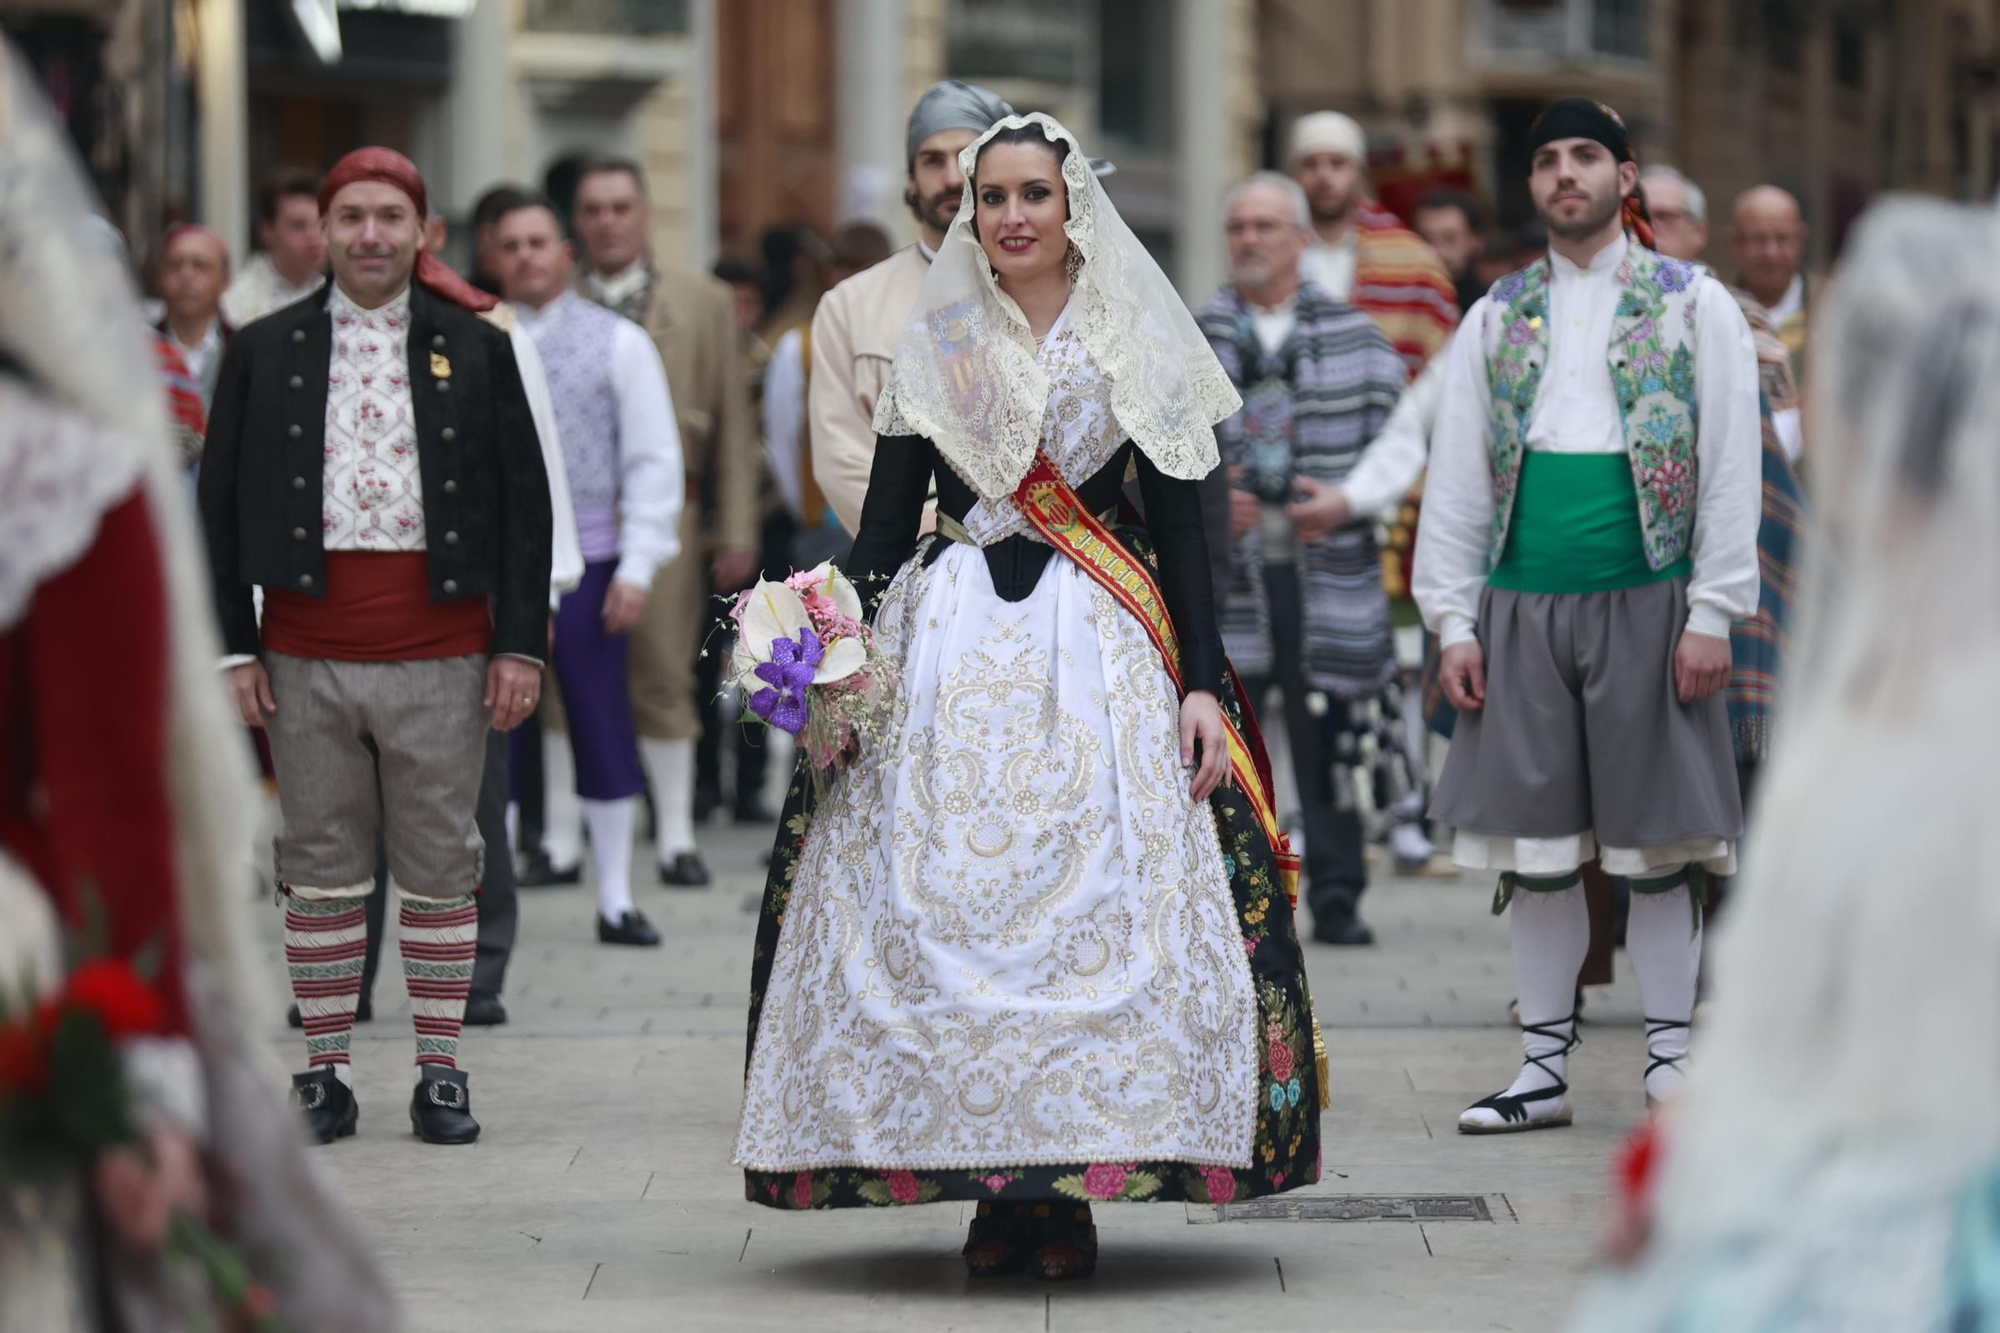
(1285, 1145)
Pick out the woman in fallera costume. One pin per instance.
(1033, 946)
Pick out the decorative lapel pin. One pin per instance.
(440, 367)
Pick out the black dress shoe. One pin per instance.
(364, 1012)
(631, 928)
(327, 1104)
(542, 873)
(484, 1011)
(754, 811)
(441, 1108)
(685, 871)
(1345, 930)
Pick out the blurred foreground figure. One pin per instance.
(119, 823)
(1833, 1164)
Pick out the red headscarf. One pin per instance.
(392, 168)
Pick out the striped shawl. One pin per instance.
(1757, 644)
(1401, 283)
(1342, 378)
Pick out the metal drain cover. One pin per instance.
(1351, 1208)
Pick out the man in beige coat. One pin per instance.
(691, 319)
(855, 329)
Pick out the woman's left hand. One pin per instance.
(1201, 720)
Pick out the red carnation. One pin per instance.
(111, 990)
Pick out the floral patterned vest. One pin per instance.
(1652, 372)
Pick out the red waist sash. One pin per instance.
(377, 608)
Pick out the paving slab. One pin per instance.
(600, 1195)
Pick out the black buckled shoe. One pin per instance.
(483, 1010)
(441, 1108)
(542, 873)
(364, 1012)
(685, 871)
(631, 928)
(327, 1104)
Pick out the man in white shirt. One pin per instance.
(194, 270)
(290, 263)
(857, 324)
(1584, 549)
(622, 454)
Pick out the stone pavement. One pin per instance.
(600, 1196)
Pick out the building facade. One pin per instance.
(1834, 99)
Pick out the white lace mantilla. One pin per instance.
(59, 475)
(966, 375)
(1080, 432)
(1011, 939)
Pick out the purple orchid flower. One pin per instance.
(793, 661)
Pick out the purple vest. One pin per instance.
(575, 344)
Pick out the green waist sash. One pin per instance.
(1576, 528)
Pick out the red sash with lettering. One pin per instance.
(1052, 505)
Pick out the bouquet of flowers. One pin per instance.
(65, 1104)
(809, 665)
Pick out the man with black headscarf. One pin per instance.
(854, 331)
(1589, 533)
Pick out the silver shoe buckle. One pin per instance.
(308, 1096)
(437, 1089)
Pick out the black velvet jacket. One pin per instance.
(900, 481)
(486, 494)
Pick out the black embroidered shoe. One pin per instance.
(484, 1010)
(326, 1103)
(542, 873)
(631, 928)
(685, 871)
(441, 1108)
(1544, 1108)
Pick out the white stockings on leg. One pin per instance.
(611, 825)
(1551, 934)
(562, 812)
(670, 766)
(1663, 939)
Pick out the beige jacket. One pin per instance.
(692, 320)
(854, 335)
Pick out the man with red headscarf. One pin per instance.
(1589, 534)
(373, 465)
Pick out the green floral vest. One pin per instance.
(1652, 371)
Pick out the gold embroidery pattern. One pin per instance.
(1011, 937)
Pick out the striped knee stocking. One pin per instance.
(440, 937)
(326, 940)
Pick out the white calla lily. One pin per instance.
(773, 612)
(839, 591)
(843, 658)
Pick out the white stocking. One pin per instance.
(611, 824)
(670, 766)
(562, 815)
(1663, 938)
(1551, 936)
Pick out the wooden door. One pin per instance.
(775, 119)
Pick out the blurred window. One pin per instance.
(1620, 28)
(609, 18)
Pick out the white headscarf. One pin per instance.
(966, 376)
